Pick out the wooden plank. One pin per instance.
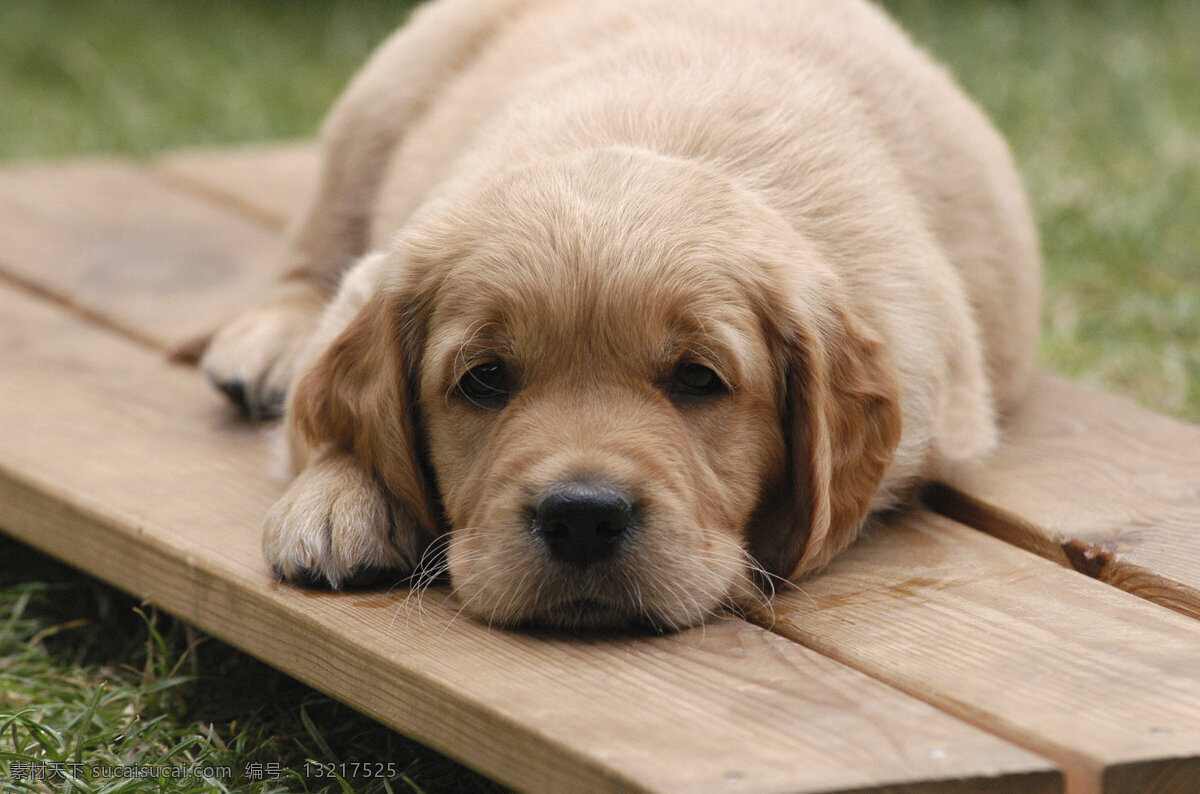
(1105, 683)
(1098, 483)
(128, 467)
(269, 182)
(156, 263)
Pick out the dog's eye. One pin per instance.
(486, 385)
(693, 381)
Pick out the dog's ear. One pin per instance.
(841, 421)
(361, 397)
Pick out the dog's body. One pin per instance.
(719, 277)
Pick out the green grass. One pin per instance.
(1101, 103)
(136, 77)
(1100, 100)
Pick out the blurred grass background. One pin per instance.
(1100, 101)
(1101, 104)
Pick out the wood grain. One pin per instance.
(1105, 683)
(128, 467)
(269, 182)
(106, 239)
(1096, 482)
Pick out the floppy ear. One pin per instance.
(360, 397)
(841, 420)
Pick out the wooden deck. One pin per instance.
(1060, 647)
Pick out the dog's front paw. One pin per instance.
(252, 359)
(335, 527)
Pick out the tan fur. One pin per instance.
(786, 191)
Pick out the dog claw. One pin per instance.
(269, 406)
(235, 390)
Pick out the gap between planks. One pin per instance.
(268, 182)
(1106, 684)
(63, 301)
(1097, 483)
(124, 250)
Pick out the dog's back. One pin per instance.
(825, 110)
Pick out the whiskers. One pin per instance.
(430, 569)
(725, 572)
(481, 566)
(753, 597)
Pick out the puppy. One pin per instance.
(646, 303)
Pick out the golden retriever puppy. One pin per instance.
(645, 303)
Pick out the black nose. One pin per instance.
(583, 523)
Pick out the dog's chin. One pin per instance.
(575, 611)
(591, 616)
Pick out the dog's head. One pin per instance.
(623, 386)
